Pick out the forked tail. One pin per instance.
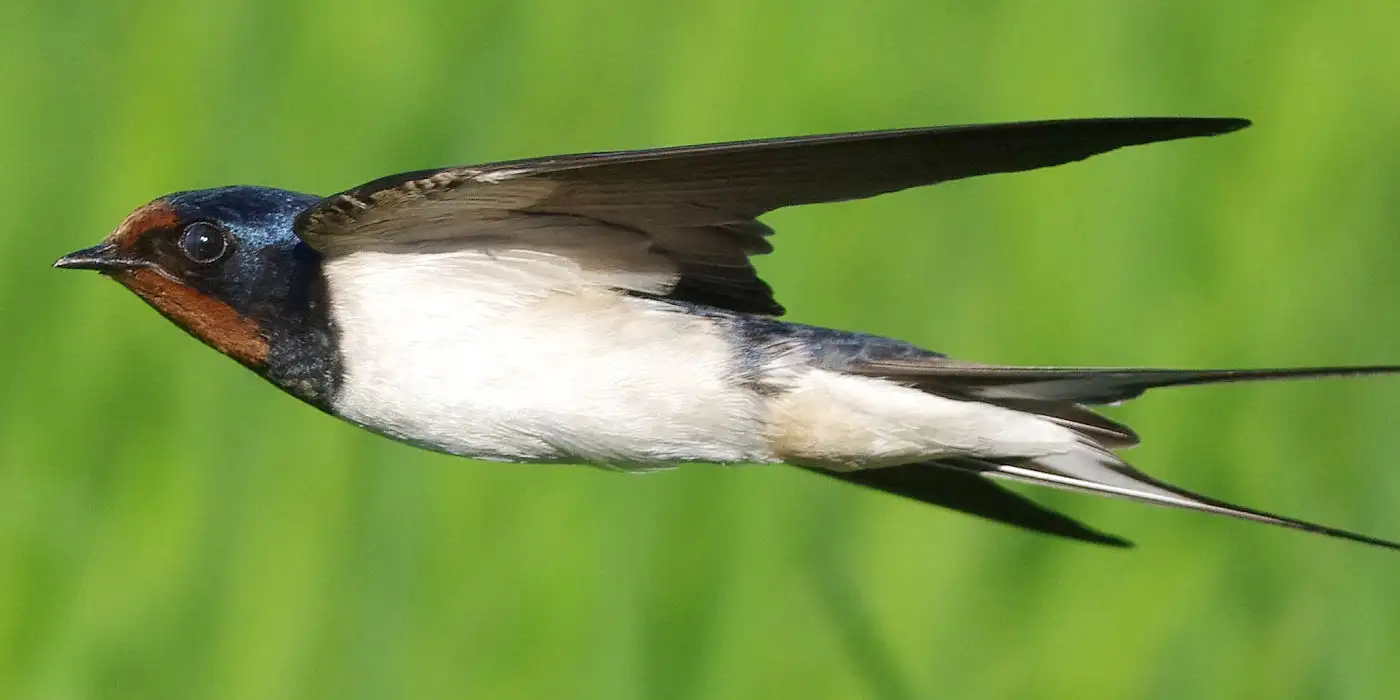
(1059, 394)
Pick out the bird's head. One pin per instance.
(225, 265)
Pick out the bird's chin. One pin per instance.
(205, 317)
(139, 275)
(126, 277)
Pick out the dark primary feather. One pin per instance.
(948, 486)
(696, 205)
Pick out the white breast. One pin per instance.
(520, 355)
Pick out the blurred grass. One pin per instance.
(171, 527)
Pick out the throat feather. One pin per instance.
(212, 321)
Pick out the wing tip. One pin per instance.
(1225, 125)
(961, 488)
(1107, 540)
(1170, 128)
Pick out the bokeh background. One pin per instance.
(171, 527)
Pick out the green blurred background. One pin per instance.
(171, 527)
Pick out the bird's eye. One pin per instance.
(203, 243)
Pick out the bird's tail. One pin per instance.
(1059, 394)
(967, 485)
(1085, 385)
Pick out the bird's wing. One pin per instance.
(684, 219)
(950, 485)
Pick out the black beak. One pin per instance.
(103, 257)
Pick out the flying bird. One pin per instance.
(603, 308)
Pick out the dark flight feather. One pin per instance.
(697, 204)
(964, 490)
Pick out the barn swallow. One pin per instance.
(602, 308)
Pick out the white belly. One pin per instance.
(516, 356)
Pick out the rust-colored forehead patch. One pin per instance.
(156, 215)
(206, 318)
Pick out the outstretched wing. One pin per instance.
(682, 222)
(952, 485)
